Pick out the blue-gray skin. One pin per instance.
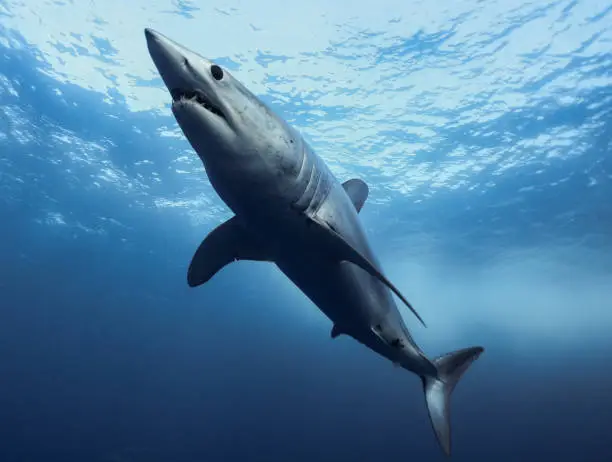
(290, 210)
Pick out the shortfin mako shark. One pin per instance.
(290, 210)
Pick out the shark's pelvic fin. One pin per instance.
(393, 342)
(335, 332)
(377, 331)
(226, 243)
(344, 251)
(357, 190)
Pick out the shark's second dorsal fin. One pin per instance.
(226, 243)
(357, 190)
(344, 251)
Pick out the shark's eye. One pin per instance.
(216, 72)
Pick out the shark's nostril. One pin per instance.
(216, 72)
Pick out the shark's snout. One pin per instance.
(154, 43)
(157, 42)
(172, 61)
(181, 69)
(149, 33)
(165, 55)
(192, 81)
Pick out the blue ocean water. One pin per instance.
(484, 130)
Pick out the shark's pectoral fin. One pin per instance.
(344, 251)
(226, 243)
(357, 190)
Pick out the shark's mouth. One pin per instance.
(195, 96)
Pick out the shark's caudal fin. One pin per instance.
(438, 391)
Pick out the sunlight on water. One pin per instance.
(482, 129)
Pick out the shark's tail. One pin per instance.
(438, 390)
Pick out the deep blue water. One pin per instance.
(484, 130)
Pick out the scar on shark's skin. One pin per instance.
(291, 211)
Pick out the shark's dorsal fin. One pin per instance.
(357, 190)
(344, 251)
(335, 332)
(226, 243)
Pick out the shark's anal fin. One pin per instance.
(357, 190)
(335, 332)
(228, 242)
(344, 251)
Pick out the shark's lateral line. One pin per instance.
(290, 210)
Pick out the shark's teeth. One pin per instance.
(195, 96)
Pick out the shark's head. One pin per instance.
(223, 121)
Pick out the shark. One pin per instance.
(290, 210)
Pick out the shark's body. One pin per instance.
(291, 210)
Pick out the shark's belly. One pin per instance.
(347, 294)
(351, 300)
(340, 290)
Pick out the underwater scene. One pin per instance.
(305, 231)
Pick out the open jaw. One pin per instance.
(198, 97)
